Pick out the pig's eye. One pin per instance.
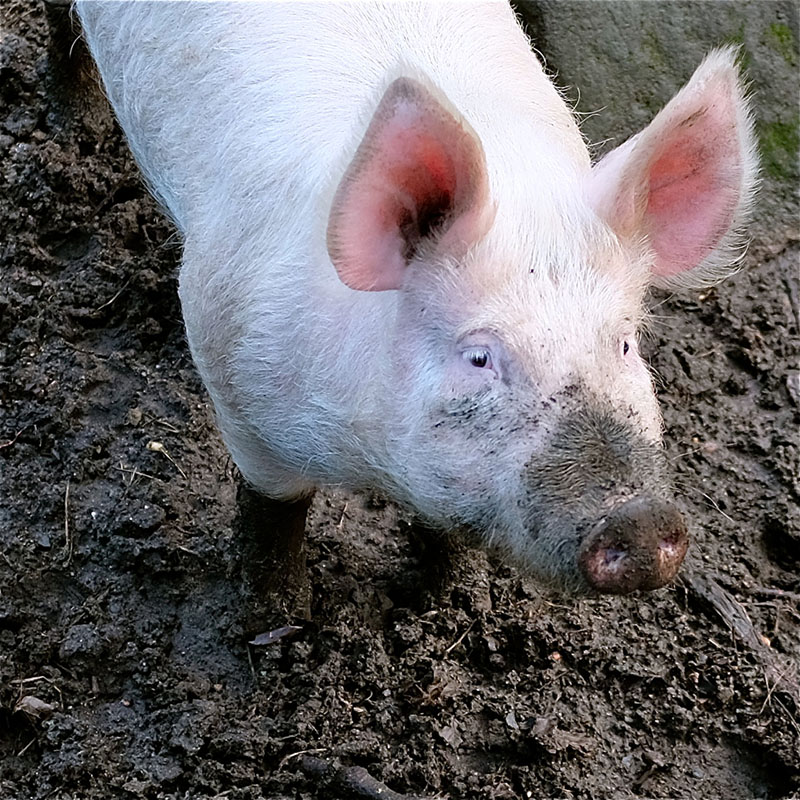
(478, 357)
(627, 346)
(480, 354)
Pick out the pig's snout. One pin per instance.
(639, 545)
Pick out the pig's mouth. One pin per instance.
(640, 545)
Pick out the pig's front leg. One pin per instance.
(455, 568)
(274, 558)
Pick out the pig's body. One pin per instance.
(244, 126)
(245, 118)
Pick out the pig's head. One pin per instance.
(519, 406)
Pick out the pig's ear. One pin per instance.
(685, 183)
(418, 177)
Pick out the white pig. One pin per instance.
(401, 270)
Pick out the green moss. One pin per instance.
(780, 37)
(779, 144)
(651, 43)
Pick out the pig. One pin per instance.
(402, 272)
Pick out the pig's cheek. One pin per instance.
(633, 394)
(648, 409)
(407, 374)
(461, 379)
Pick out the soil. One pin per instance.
(125, 609)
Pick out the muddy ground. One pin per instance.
(124, 610)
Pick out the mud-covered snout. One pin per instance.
(600, 515)
(639, 545)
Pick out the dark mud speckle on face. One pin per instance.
(124, 667)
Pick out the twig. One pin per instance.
(350, 782)
(297, 754)
(788, 713)
(20, 682)
(10, 442)
(736, 618)
(713, 504)
(460, 639)
(341, 518)
(726, 605)
(188, 550)
(109, 302)
(134, 472)
(775, 684)
(68, 541)
(8, 563)
(252, 665)
(34, 679)
(779, 593)
(21, 752)
(168, 425)
(158, 447)
(77, 349)
(686, 454)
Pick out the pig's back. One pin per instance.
(252, 111)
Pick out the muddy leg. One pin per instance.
(274, 558)
(456, 569)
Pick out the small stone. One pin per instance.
(81, 640)
(793, 387)
(34, 707)
(141, 520)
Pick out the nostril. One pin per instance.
(671, 550)
(611, 559)
(606, 568)
(671, 547)
(639, 545)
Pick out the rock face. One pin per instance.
(624, 60)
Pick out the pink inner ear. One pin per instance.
(680, 182)
(694, 189)
(417, 171)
